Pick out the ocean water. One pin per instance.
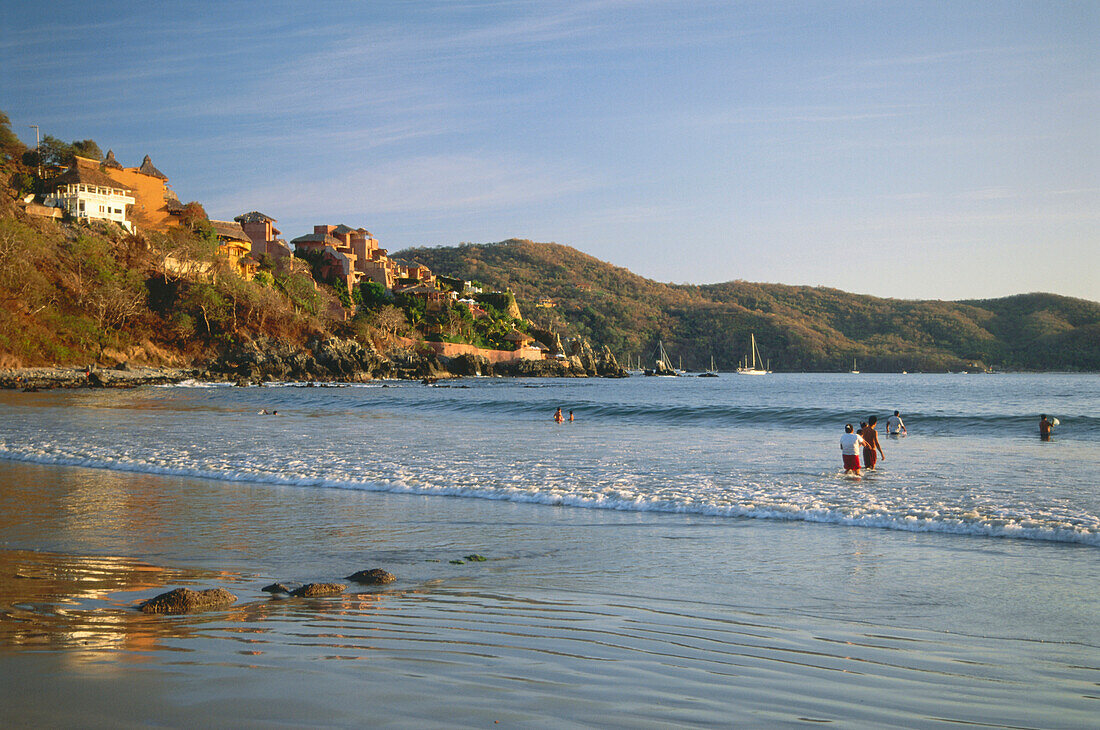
(759, 447)
(686, 553)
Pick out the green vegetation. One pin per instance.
(10, 144)
(79, 293)
(52, 152)
(797, 328)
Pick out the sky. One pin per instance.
(924, 150)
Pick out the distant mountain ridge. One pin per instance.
(796, 327)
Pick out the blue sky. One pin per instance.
(918, 150)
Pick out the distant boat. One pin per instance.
(712, 373)
(854, 370)
(663, 364)
(755, 354)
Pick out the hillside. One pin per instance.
(796, 327)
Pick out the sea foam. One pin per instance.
(778, 501)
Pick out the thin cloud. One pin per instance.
(999, 193)
(427, 185)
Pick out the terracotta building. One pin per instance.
(262, 232)
(154, 200)
(365, 259)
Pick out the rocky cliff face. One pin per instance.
(267, 358)
(608, 367)
(333, 358)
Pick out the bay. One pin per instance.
(686, 552)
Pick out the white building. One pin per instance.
(88, 194)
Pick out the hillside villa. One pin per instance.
(86, 192)
(261, 230)
(353, 255)
(136, 198)
(235, 245)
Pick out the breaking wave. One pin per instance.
(788, 501)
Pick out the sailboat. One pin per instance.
(712, 373)
(663, 364)
(755, 354)
(854, 370)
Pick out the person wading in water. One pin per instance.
(870, 437)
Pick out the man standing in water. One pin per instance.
(894, 425)
(1044, 427)
(849, 450)
(870, 438)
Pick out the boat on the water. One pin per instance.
(662, 365)
(854, 370)
(754, 353)
(712, 373)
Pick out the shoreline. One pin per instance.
(36, 379)
(428, 370)
(672, 619)
(59, 377)
(322, 360)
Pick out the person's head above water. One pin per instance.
(847, 428)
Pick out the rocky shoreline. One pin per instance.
(322, 360)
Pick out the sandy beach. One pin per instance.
(577, 617)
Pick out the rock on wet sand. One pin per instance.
(374, 576)
(313, 590)
(183, 600)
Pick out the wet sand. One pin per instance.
(577, 618)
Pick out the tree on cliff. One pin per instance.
(53, 152)
(389, 320)
(9, 143)
(192, 214)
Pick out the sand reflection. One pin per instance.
(84, 607)
(84, 604)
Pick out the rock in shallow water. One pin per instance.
(183, 600)
(276, 588)
(313, 590)
(375, 576)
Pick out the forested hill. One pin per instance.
(796, 327)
